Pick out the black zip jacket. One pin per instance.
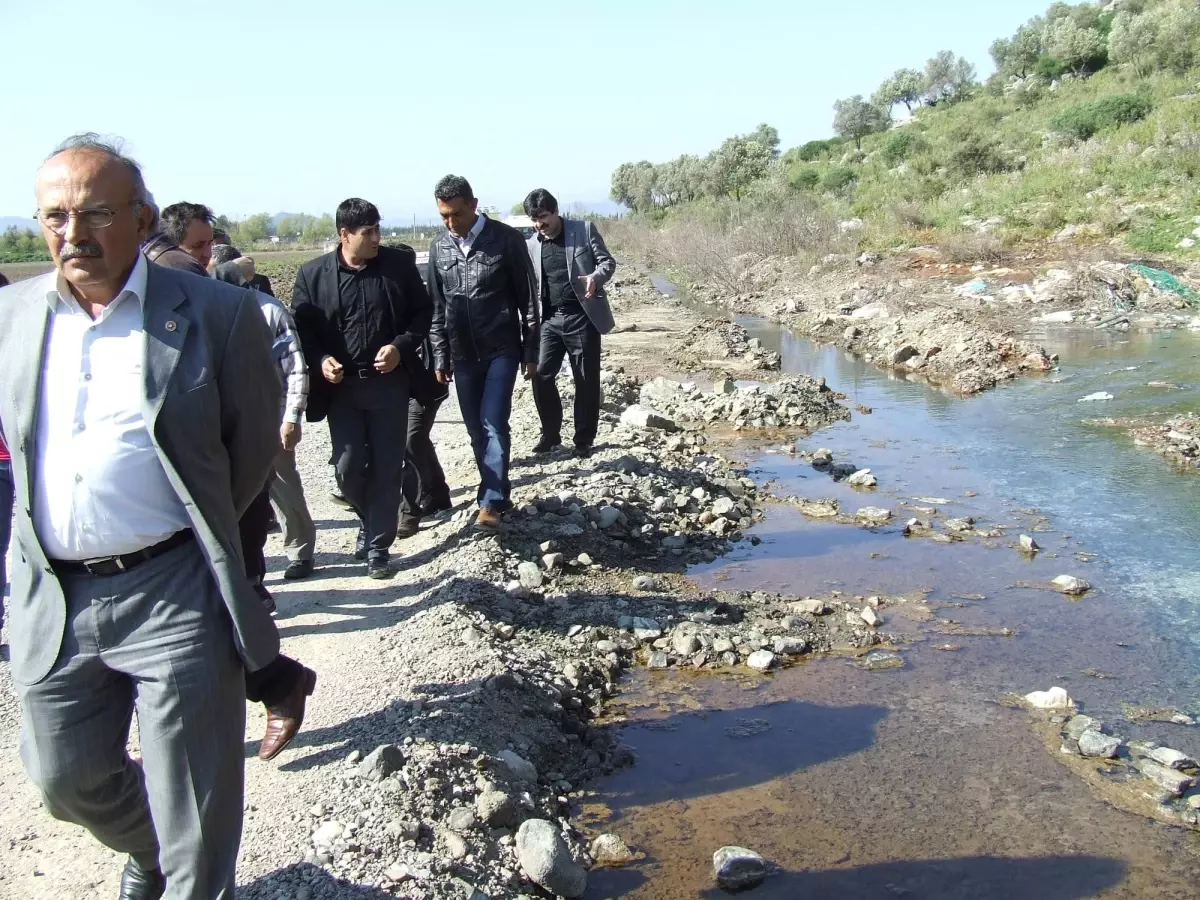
(316, 306)
(485, 305)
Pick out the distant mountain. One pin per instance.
(7, 222)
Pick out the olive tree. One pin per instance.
(855, 118)
(905, 86)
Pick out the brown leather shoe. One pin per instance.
(285, 718)
(488, 519)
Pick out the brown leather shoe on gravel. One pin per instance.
(488, 520)
(285, 718)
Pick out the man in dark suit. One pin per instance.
(360, 311)
(572, 266)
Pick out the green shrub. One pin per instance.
(1083, 120)
(838, 179)
(815, 150)
(901, 144)
(1049, 67)
(976, 154)
(804, 178)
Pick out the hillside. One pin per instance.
(1098, 143)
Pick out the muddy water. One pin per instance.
(915, 782)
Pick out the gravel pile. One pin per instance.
(1178, 440)
(793, 402)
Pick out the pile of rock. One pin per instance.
(715, 340)
(1178, 440)
(939, 344)
(793, 402)
(757, 630)
(1168, 777)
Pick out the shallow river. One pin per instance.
(915, 782)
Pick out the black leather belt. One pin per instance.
(366, 373)
(105, 566)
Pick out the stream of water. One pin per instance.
(915, 782)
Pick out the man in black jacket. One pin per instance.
(360, 310)
(485, 326)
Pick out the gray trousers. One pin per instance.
(156, 639)
(287, 493)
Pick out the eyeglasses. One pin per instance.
(58, 219)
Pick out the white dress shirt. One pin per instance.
(466, 243)
(99, 487)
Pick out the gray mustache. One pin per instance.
(77, 251)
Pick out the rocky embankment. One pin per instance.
(1177, 439)
(956, 325)
(467, 786)
(1145, 777)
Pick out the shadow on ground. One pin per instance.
(696, 754)
(966, 878)
(288, 881)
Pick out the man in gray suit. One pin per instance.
(140, 405)
(572, 266)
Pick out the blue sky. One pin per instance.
(270, 106)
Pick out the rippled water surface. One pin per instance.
(915, 782)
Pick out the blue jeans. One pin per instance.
(485, 392)
(6, 509)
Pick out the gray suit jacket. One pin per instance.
(586, 255)
(211, 403)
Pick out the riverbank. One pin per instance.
(497, 670)
(457, 701)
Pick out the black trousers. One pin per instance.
(272, 683)
(254, 526)
(368, 426)
(572, 335)
(423, 479)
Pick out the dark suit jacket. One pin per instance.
(316, 307)
(262, 284)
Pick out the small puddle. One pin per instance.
(913, 781)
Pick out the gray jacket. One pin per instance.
(586, 255)
(211, 403)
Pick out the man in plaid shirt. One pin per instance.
(285, 487)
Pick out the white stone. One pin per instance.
(640, 417)
(1172, 759)
(1095, 744)
(1069, 584)
(869, 616)
(738, 869)
(1055, 698)
(862, 478)
(546, 861)
(761, 660)
(520, 768)
(873, 515)
(1098, 397)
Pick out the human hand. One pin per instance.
(527, 370)
(386, 359)
(289, 434)
(332, 370)
(444, 376)
(592, 286)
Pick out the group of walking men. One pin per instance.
(152, 399)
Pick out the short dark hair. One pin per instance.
(356, 213)
(453, 186)
(220, 237)
(540, 201)
(223, 253)
(3, 280)
(175, 219)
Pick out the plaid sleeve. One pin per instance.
(290, 356)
